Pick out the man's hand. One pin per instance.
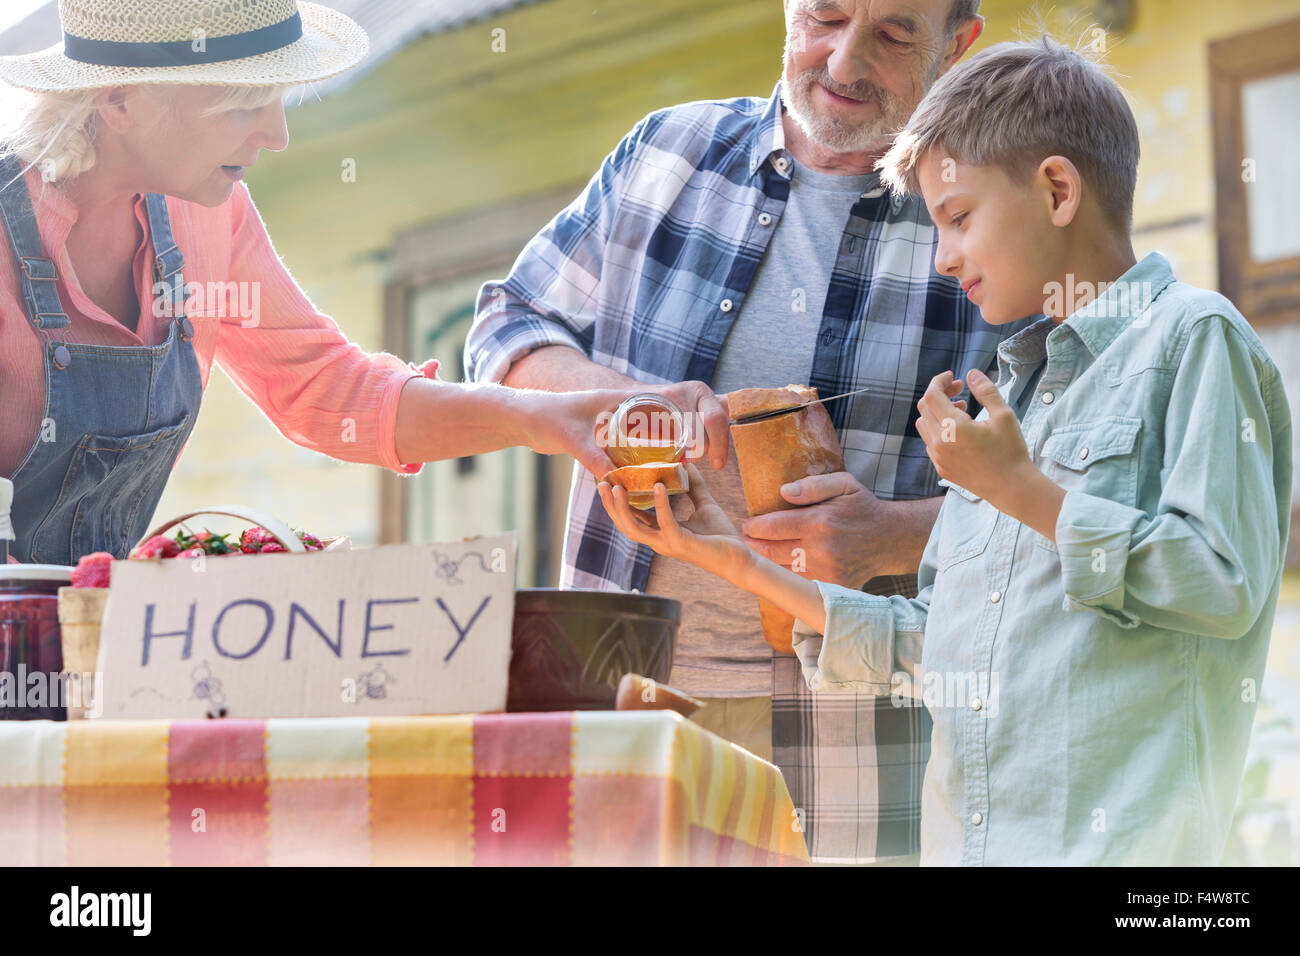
(844, 534)
(980, 456)
(708, 428)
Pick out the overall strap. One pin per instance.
(168, 261)
(37, 273)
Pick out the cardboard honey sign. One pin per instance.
(396, 629)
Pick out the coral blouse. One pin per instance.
(293, 362)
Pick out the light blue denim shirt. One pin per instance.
(1093, 698)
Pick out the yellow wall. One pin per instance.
(1163, 65)
(448, 126)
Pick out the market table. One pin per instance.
(585, 788)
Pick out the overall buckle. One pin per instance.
(39, 269)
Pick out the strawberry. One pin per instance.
(309, 541)
(159, 546)
(273, 547)
(92, 570)
(255, 539)
(191, 553)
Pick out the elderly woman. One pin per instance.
(120, 186)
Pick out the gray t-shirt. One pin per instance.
(720, 646)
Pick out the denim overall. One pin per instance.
(115, 416)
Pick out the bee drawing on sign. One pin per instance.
(450, 570)
(375, 682)
(207, 687)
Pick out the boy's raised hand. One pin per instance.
(981, 456)
(707, 539)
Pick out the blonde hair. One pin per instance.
(56, 132)
(1015, 104)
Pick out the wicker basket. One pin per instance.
(81, 610)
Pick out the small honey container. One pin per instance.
(647, 428)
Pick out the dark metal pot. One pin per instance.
(571, 647)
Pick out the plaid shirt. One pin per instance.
(645, 272)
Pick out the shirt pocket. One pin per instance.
(1097, 457)
(966, 528)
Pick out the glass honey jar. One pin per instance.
(647, 428)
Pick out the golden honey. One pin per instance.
(645, 429)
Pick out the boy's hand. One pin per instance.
(707, 539)
(983, 457)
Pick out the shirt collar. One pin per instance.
(1028, 346)
(1125, 301)
(49, 200)
(769, 138)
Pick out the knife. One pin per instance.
(794, 408)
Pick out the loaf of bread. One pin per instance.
(773, 452)
(642, 693)
(785, 448)
(747, 403)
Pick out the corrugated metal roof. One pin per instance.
(392, 24)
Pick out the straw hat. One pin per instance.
(211, 42)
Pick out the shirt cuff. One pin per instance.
(537, 334)
(1094, 536)
(387, 425)
(856, 654)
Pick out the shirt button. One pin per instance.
(1048, 398)
(764, 219)
(726, 305)
(783, 164)
(1083, 453)
(995, 597)
(976, 703)
(977, 818)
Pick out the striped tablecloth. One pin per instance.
(586, 788)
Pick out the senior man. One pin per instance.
(748, 242)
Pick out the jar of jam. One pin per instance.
(31, 648)
(646, 428)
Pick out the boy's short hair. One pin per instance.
(1015, 104)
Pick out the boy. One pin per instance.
(1097, 594)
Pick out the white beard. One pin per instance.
(839, 135)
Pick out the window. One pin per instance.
(1255, 86)
(429, 306)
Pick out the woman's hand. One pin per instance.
(707, 539)
(566, 423)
